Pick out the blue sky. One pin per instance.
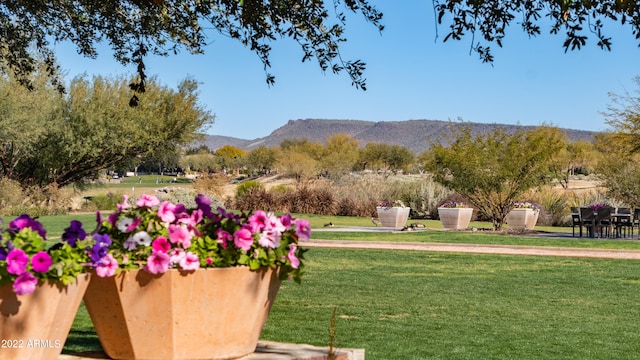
(410, 75)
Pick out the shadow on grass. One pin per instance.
(81, 341)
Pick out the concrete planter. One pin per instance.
(455, 218)
(395, 217)
(522, 218)
(204, 314)
(35, 326)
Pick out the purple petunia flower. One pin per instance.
(74, 233)
(25, 221)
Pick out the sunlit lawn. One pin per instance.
(421, 305)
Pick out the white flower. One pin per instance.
(142, 238)
(124, 223)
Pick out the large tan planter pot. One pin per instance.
(35, 326)
(522, 218)
(395, 217)
(204, 314)
(455, 218)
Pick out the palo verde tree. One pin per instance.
(494, 169)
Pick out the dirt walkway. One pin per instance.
(479, 249)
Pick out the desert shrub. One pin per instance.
(106, 201)
(314, 200)
(49, 200)
(10, 195)
(210, 185)
(350, 206)
(253, 198)
(32, 211)
(425, 197)
(247, 186)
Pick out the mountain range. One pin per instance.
(416, 135)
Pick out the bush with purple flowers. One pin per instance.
(26, 257)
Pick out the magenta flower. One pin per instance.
(107, 266)
(180, 234)
(17, 261)
(41, 262)
(161, 244)
(223, 237)
(26, 222)
(134, 224)
(157, 263)
(303, 229)
(189, 261)
(258, 221)
(291, 256)
(243, 239)
(166, 212)
(25, 283)
(147, 201)
(285, 220)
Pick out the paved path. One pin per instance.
(479, 249)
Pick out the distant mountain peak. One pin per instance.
(416, 135)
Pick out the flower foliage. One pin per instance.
(452, 204)
(597, 207)
(524, 205)
(157, 236)
(26, 257)
(392, 203)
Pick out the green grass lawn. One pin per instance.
(422, 305)
(415, 305)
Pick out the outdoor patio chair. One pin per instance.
(603, 221)
(636, 220)
(575, 221)
(623, 222)
(588, 220)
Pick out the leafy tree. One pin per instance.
(386, 158)
(579, 154)
(341, 153)
(136, 28)
(488, 20)
(96, 130)
(297, 164)
(261, 159)
(493, 170)
(230, 157)
(620, 167)
(203, 162)
(25, 119)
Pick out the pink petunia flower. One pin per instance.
(41, 262)
(147, 200)
(161, 244)
(17, 261)
(303, 229)
(157, 263)
(189, 261)
(107, 266)
(180, 234)
(176, 255)
(166, 212)
(134, 224)
(258, 221)
(243, 239)
(269, 239)
(291, 256)
(124, 205)
(223, 237)
(25, 283)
